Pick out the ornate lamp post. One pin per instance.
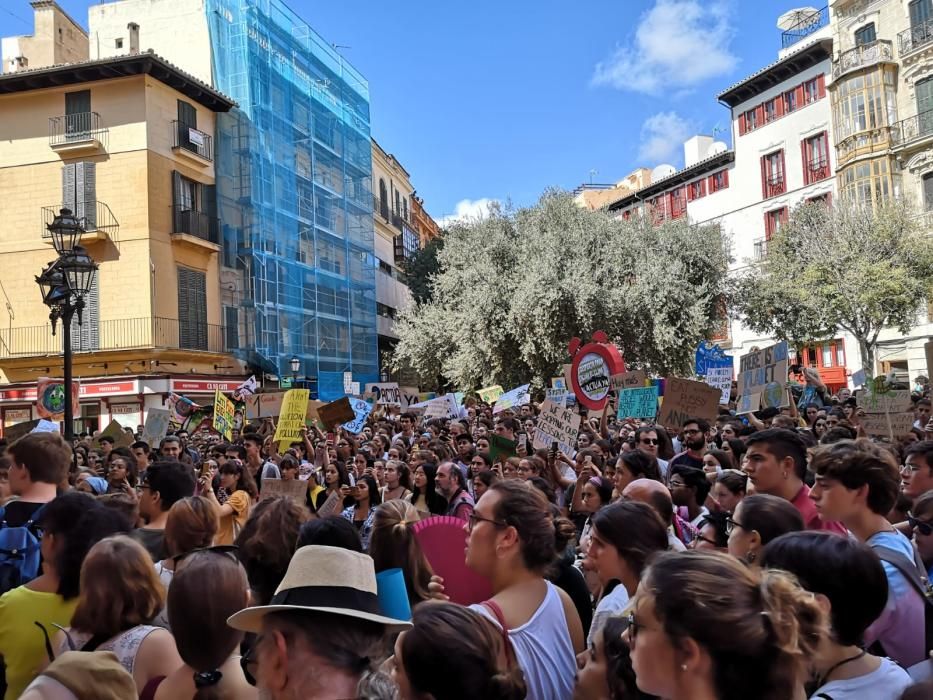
(295, 365)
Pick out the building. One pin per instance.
(56, 39)
(127, 144)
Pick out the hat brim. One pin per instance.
(250, 619)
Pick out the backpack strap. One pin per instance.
(496, 611)
(911, 571)
(36, 514)
(2, 517)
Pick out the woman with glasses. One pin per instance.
(623, 538)
(513, 540)
(711, 533)
(238, 482)
(704, 626)
(757, 520)
(206, 643)
(398, 480)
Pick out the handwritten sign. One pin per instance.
(515, 397)
(156, 426)
(765, 373)
(557, 424)
(385, 394)
(491, 393)
(641, 402)
(332, 506)
(293, 489)
(267, 405)
(684, 398)
(115, 431)
(720, 378)
(223, 414)
(292, 416)
(336, 412)
(628, 380)
(877, 423)
(558, 383)
(894, 401)
(361, 411)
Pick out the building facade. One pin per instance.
(57, 39)
(127, 144)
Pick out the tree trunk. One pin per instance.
(867, 353)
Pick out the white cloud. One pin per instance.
(662, 137)
(468, 209)
(677, 45)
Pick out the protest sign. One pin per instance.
(685, 398)
(293, 489)
(893, 401)
(361, 411)
(156, 426)
(858, 378)
(442, 407)
(501, 448)
(628, 380)
(50, 398)
(266, 405)
(641, 402)
(558, 383)
(332, 506)
(15, 432)
(490, 393)
(558, 396)
(247, 388)
(385, 393)
(557, 424)
(180, 408)
(764, 372)
(223, 415)
(45, 426)
(887, 424)
(721, 378)
(749, 403)
(336, 412)
(515, 397)
(593, 366)
(709, 355)
(292, 416)
(311, 416)
(115, 431)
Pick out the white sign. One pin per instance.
(361, 410)
(516, 397)
(557, 424)
(347, 382)
(386, 393)
(720, 378)
(195, 137)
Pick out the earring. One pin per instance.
(750, 557)
(683, 667)
(784, 474)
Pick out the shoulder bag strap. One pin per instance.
(496, 611)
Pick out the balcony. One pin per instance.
(95, 218)
(760, 249)
(775, 185)
(191, 224)
(864, 143)
(381, 207)
(817, 170)
(191, 143)
(120, 334)
(915, 38)
(912, 131)
(864, 56)
(808, 24)
(73, 134)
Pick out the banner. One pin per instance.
(386, 393)
(764, 373)
(50, 398)
(156, 426)
(335, 413)
(709, 355)
(491, 393)
(515, 397)
(292, 416)
(557, 424)
(180, 408)
(638, 403)
(247, 388)
(685, 398)
(223, 415)
(361, 411)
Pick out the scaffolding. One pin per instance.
(294, 195)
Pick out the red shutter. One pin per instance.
(725, 179)
(760, 113)
(742, 127)
(702, 188)
(767, 226)
(806, 161)
(783, 174)
(784, 215)
(779, 105)
(764, 177)
(712, 183)
(801, 95)
(821, 86)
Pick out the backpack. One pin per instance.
(19, 551)
(915, 575)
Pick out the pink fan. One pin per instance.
(443, 540)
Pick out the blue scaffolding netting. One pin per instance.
(294, 173)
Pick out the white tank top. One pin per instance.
(125, 645)
(543, 649)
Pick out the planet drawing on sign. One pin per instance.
(53, 398)
(773, 395)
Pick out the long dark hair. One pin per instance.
(244, 480)
(436, 503)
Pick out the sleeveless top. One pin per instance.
(125, 645)
(543, 648)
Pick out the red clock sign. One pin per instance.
(593, 366)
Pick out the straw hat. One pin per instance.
(326, 579)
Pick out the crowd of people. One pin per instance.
(777, 555)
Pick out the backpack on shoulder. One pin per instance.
(915, 574)
(19, 551)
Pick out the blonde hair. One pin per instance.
(393, 545)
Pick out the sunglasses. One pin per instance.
(248, 660)
(648, 441)
(922, 526)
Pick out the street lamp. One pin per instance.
(295, 365)
(65, 283)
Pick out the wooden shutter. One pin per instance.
(192, 309)
(805, 159)
(86, 193)
(87, 335)
(78, 102)
(783, 172)
(821, 86)
(68, 186)
(209, 207)
(742, 127)
(764, 177)
(725, 178)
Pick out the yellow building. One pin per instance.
(127, 143)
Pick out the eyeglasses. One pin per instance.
(634, 626)
(677, 484)
(225, 549)
(474, 518)
(248, 660)
(649, 441)
(731, 524)
(697, 538)
(909, 468)
(925, 528)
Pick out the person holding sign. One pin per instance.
(238, 482)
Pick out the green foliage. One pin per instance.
(848, 266)
(422, 268)
(515, 287)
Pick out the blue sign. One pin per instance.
(709, 355)
(641, 402)
(361, 411)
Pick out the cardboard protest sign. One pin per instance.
(292, 416)
(749, 403)
(765, 373)
(385, 393)
(293, 489)
(311, 416)
(410, 395)
(15, 432)
(361, 411)
(557, 424)
(513, 398)
(50, 398)
(332, 506)
(223, 415)
(858, 378)
(684, 398)
(558, 383)
(501, 448)
(156, 426)
(558, 396)
(721, 378)
(115, 431)
(641, 402)
(628, 380)
(442, 407)
(336, 412)
(490, 393)
(887, 424)
(894, 401)
(267, 405)
(180, 408)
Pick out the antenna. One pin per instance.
(717, 129)
(593, 173)
(336, 47)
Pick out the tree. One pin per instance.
(514, 287)
(848, 266)
(421, 269)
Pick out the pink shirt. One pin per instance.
(811, 517)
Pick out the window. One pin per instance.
(924, 89)
(192, 309)
(383, 200)
(231, 327)
(79, 191)
(771, 111)
(118, 44)
(695, 190)
(868, 181)
(398, 203)
(678, 205)
(78, 115)
(864, 102)
(774, 219)
(772, 174)
(815, 158)
(865, 35)
(718, 181)
(928, 192)
(790, 100)
(811, 91)
(826, 199)
(194, 207)
(921, 12)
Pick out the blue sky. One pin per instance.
(502, 99)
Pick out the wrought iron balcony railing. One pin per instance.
(760, 249)
(193, 140)
(809, 24)
(94, 216)
(73, 129)
(194, 223)
(775, 185)
(913, 128)
(914, 38)
(878, 51)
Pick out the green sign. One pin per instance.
(285, 382)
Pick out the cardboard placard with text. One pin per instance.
(292, 416)
(156, 426)
(294, 489)
(628, 380)
(895, 401)
(223, 415)
(266, 405)
(491, 393)
(877, 424)
(557, 424)
(685, 398)
(764, 372)
(385, 393)
(639, 402)
(336, 412)
(115, 431)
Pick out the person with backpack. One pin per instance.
(857, 483)
(39, 463)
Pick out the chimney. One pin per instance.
(134, 37)
(696, 149)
